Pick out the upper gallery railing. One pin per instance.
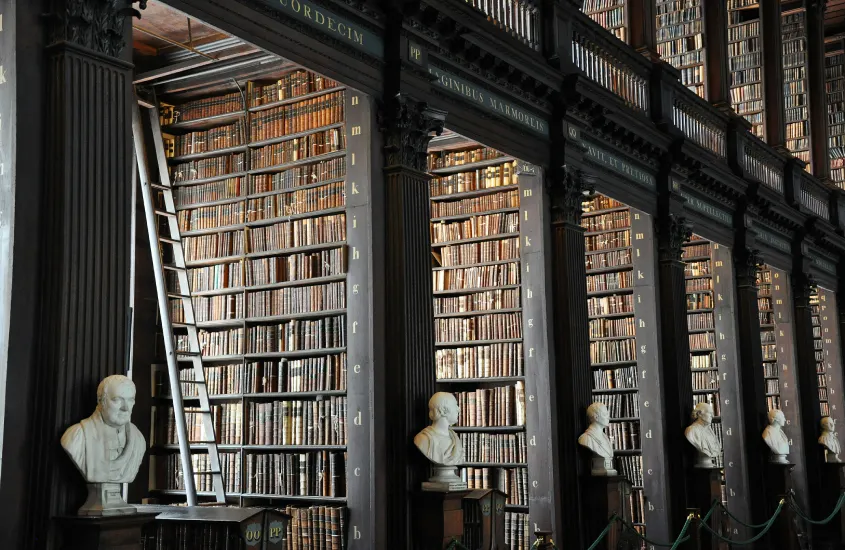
(607, 61)
(814, 196)
(520, 18)
(762, 163)
(696, 119)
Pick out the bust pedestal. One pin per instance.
(834, 482)
(122, 532)
(438, 518)
(705, 487)
(606, 495)
(784, 533)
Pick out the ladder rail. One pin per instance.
(161, 296)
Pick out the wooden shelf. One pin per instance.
(474, 214)
(471, 166)
(464, 343)
(297, 99)
(476, 313)
(492, 429)
(458, 291)
(484, 380)
(207, 154)
(475, 193)
(210, 179)
(295, 163)
(204, 122)
(480, 264)
(287, 137)
(476, 239)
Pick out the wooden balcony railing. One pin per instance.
(610, 63)
(699, 122)
(520, 18)
(762, 163)
(815, 197)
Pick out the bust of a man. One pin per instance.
(438, 442)
(774, 437)
(597, 441)
(830, 440)
(106, 447)
(701, 436)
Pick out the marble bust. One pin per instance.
(830, 440)
(774, 437)
(441, 445)
(597, 441)
(701, 436)
(107, 448)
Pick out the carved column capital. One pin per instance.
(803, 287)
(408, 126)
(566, 190)
(747, 262)
(94, 24)
(674, 231)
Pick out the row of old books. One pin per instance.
(490, 360)
(602, 202)
(611, 328)
(473, 205)
(206, 141)
(610, 14)
(702, 340)
(476, 226)
(211, 216)
(764, 303)
(695, 250)
(604, 222)
(475, 180)
(316, 528)
(480, 252)
(297, 422)
(632, 468)
(500, 406)
(321, 473)
(607, 305)
(291, 300)
(703, 361)
(771, 370)
(680, 39)
(616, 258)
(700, 321)
(195, 535)
(705, 380)
(446, 159)
(511, 481)
(202, 108)
(610, 281)
(208, 192)
(296, 267)
(773, 386)
(770, 352)
(517, 531)
(310, 374)
(230, 464)
(296, 233)
(226, 417)
(745, 57)
(480, 447)
(620, 405)
(291, 85)
(834, 73)
(186, 172)
(487, 300)
(467, 278)
(611, 351)
(297, 117)
(220, 380)
(216, 245)
(606, 241)
(625, 435)
(693, 285)
(298, 335)
(297, 149)
(210, 308)
(215, 343)
(298, 176)
(618, 378)
(697, 268)
(483, 327)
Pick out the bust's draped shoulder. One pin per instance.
(73, 442)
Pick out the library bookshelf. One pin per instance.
(611, 14)
(260, 180)
(680, 40)
(796, 106)
(619, 261)
(745, 51)
(478, 319)
(834, 75)
(826, 346)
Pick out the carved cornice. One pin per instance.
(408, 126)
(747, 262)
(674, 232)
(566, 190)
(94, 24)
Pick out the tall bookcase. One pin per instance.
(680, 40)
(610, 14)
(828, 353)
(745, 61)
(478, 319)
(713, 355)
(264, 205)
(620, 303)
(834, 74)
(796, 107)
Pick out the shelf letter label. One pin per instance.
(531, 398)
(354, 188)
(530, 294)
(354, 327)
(527, 193)
(355, 100)
(356, 369)
(355, 288)
(648, 434)
(531, 323)
(533, 441)
(359, 420)
(355, 254)
(357, 472)
(642, 323)
(356, 534)
(530, 352)
(356, 130)
(527, 242)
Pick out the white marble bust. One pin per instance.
(701, 436)
(106, 447)
(830, 440)
(597, 441)
(775, 438)
(440, 444)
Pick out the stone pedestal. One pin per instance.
(121, 532)
(438, 517)
(605, 496)
(705, 488)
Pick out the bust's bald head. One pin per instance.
(115, 399)
(443, 405)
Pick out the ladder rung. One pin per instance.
(207, 472)
(190, 353)
(202, 442)
(174, 295)
(168, 240)
(171, 267)
(161, 187)
(165, 213)
(182, 325)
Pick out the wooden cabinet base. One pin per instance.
(705, 489)
(438, 518)
(103, 533)
(606, 496)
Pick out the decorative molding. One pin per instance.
(747, 262)
(566, 190)
(674, 232)
(94, 24)
(408, 126)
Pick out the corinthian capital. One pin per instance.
(408, 126)
(94, 24)
(674, 232)
(566, 189)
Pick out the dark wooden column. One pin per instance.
(565, 187)
(715, 13)
(642, 24)
(407, 126)
(672, 232)
(81, 335)
(752, 381)
(816, 88)
(770, 28)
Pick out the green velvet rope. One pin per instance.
(681, 538)
(596, 542)
(456, 545)
(757, 537)
(736, 519)
(826, 520)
